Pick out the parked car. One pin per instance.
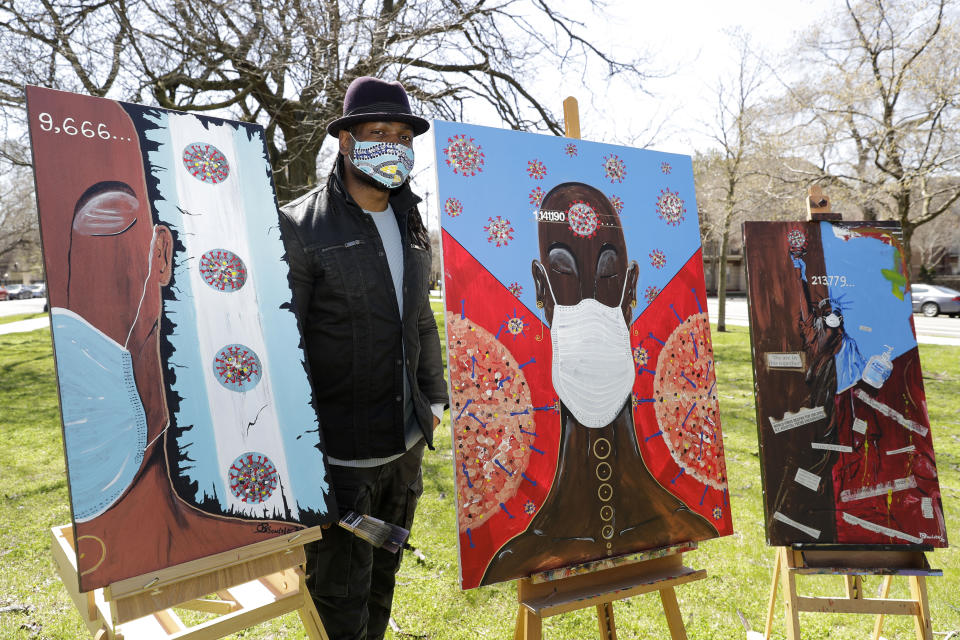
(38, 289)
(932, 300)
(3, 293)
(18, 292)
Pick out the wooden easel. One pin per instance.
(599, 584)
(249, 586)
(850, 562)
(852, 565)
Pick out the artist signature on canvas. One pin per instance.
(266, 527)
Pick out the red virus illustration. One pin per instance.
(464, 156)
(665, 167)
(650, 293)
(536, 196)
(529, 508)
(494, 433)
(583, 220)
(536, 169)
(685, 397)
(237, 367)
(206, 163)
(570, 150)
(658, 259)
(499, 231)
(614, 168)
(223, 270)
(253, 478)
(717, 512)
(453, 207)
(617, 203)
(515, 288)
(670, 207)
(798, 242)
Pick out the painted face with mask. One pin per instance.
(107, 431)
(586, 287)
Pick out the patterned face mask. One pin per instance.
(389, 163)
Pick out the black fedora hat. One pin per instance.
(372, 99)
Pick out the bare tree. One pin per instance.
(735, 132)
(19, 234)
(287, 63)
(875, 106)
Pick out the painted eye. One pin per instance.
(106, 209)
(607, 263)
(562, 261)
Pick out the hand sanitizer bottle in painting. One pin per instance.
(878, 368)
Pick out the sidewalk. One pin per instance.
(24, 325)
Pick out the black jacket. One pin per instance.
(347, 309)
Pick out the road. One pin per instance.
(939, 330)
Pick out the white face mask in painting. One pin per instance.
(593, 370)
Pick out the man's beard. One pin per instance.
(364, 178)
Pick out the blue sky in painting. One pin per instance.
(873, 315)
(502, 188)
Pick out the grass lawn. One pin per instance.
(429, 604)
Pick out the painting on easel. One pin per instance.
(845, 443)
(187, 417)
(583, 398)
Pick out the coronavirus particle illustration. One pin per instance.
(640, 356)
(499, 231)
(617, 203)
(658, 259)
(614, 168)
(571, 150)
(223, 270)
(453, 207)
(464, 156)
(536, 169)
(717, 512)
(492, 413)
(529, 508)
(206, 163)
(582, 219)
(665, 167)
(515, 288)
(650, 293)
(536, 196)
(670, 207)
(797, 240)
(685, 399)
(237, 367)
(513, 325)
(253, 478)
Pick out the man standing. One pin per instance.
(359, 259)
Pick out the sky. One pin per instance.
(689, 38)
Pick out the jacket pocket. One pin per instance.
(349, 268)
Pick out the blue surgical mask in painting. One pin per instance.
(593, 370)
(389, 163)
(104, 424)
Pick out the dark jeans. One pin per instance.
(351, 581)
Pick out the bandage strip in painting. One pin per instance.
(790, 522)
(900, 484)
(879, 528)
(905, 422)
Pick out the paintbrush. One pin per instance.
(375, 531)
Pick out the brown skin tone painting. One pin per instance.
(625, 507)
(107, 261)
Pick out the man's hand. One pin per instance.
(436, 421)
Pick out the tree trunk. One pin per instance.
(722, 286)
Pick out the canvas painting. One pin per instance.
(846, 449)
(583, 397)
(188, 424)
